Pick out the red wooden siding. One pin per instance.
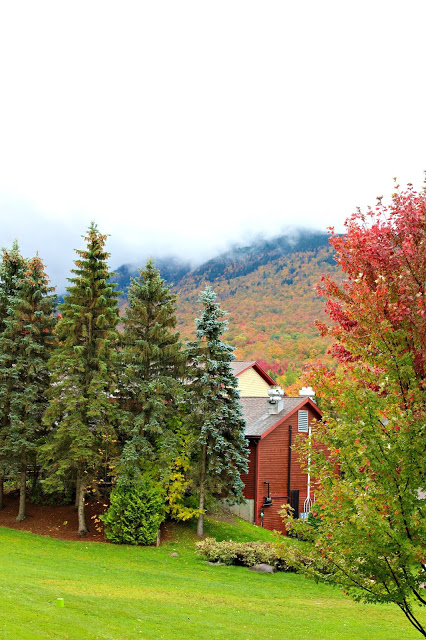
(249, 478)
(273, 468)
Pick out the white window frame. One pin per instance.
(303, 421)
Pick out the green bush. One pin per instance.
(298, 528)
(282, 556)
(135, 513)
(314, 517)
(39, 496)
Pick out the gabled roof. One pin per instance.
(259, 422)
(239, 366)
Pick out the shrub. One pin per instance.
(297, 528)
(282, 555)
(60, 497)
(314, 519)
(135, 513)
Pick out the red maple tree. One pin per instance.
(372, 516)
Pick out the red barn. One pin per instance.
(273, 421)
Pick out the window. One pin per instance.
(302, 421)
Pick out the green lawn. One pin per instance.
(122, 593)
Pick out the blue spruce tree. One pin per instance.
(216, 412)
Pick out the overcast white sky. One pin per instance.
(180, 126)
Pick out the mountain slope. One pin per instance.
(269, 290)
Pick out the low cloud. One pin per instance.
(55, 239)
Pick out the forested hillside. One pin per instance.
(269, 289)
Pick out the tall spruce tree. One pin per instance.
(216, 412)
(81, 413)
(154, 364)
(11, 269)
(26, 341)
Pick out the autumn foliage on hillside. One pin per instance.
(272, 310)
(269, 289)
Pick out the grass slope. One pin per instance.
(124, 593)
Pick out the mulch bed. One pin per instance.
(57, 522)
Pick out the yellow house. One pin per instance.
(253, 381)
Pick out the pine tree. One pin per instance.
(82, 413)
(26, 342)
(11, 270)
(11, 267)
(216, 409)
(153, 369)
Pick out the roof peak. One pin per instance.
(239, 366)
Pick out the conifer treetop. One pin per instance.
(211, 324)
(218, 421)
(153, 368)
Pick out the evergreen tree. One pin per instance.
(151, 389)
(26, 342)
(11, 268)
(215, 409)
(153, 362)
(81, 411)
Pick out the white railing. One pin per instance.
(307, 505)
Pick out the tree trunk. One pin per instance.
(35, 478)
(200, 524)
(77, 492)
(1, 489)
(22, 494)
(82, 525)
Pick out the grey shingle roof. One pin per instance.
(240, 365)
(258, 420)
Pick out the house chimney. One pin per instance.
(307, 392)
(275, 400)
